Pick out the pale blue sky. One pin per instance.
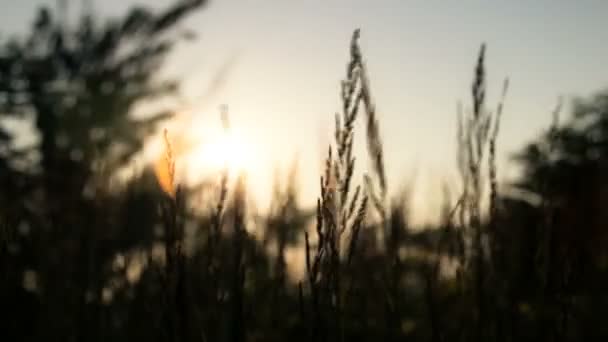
(291, 55)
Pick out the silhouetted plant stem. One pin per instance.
(336, 213)
(237, 325)
(546, 250)
(429, 291)
(174, 277)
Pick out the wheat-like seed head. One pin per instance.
(165, 168)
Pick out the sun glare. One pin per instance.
(221, 151)
(202, 150)
(226, 151)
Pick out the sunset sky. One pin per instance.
(284, 60)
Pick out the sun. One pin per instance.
(203, 150)
(226, 151)
(219, 151)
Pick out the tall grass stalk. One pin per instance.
(237, 298)
(476, 133)
(336, 213)
(550, 324)
(174, 277)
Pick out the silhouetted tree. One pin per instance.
(80, 87)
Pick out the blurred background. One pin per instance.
(165, 173)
